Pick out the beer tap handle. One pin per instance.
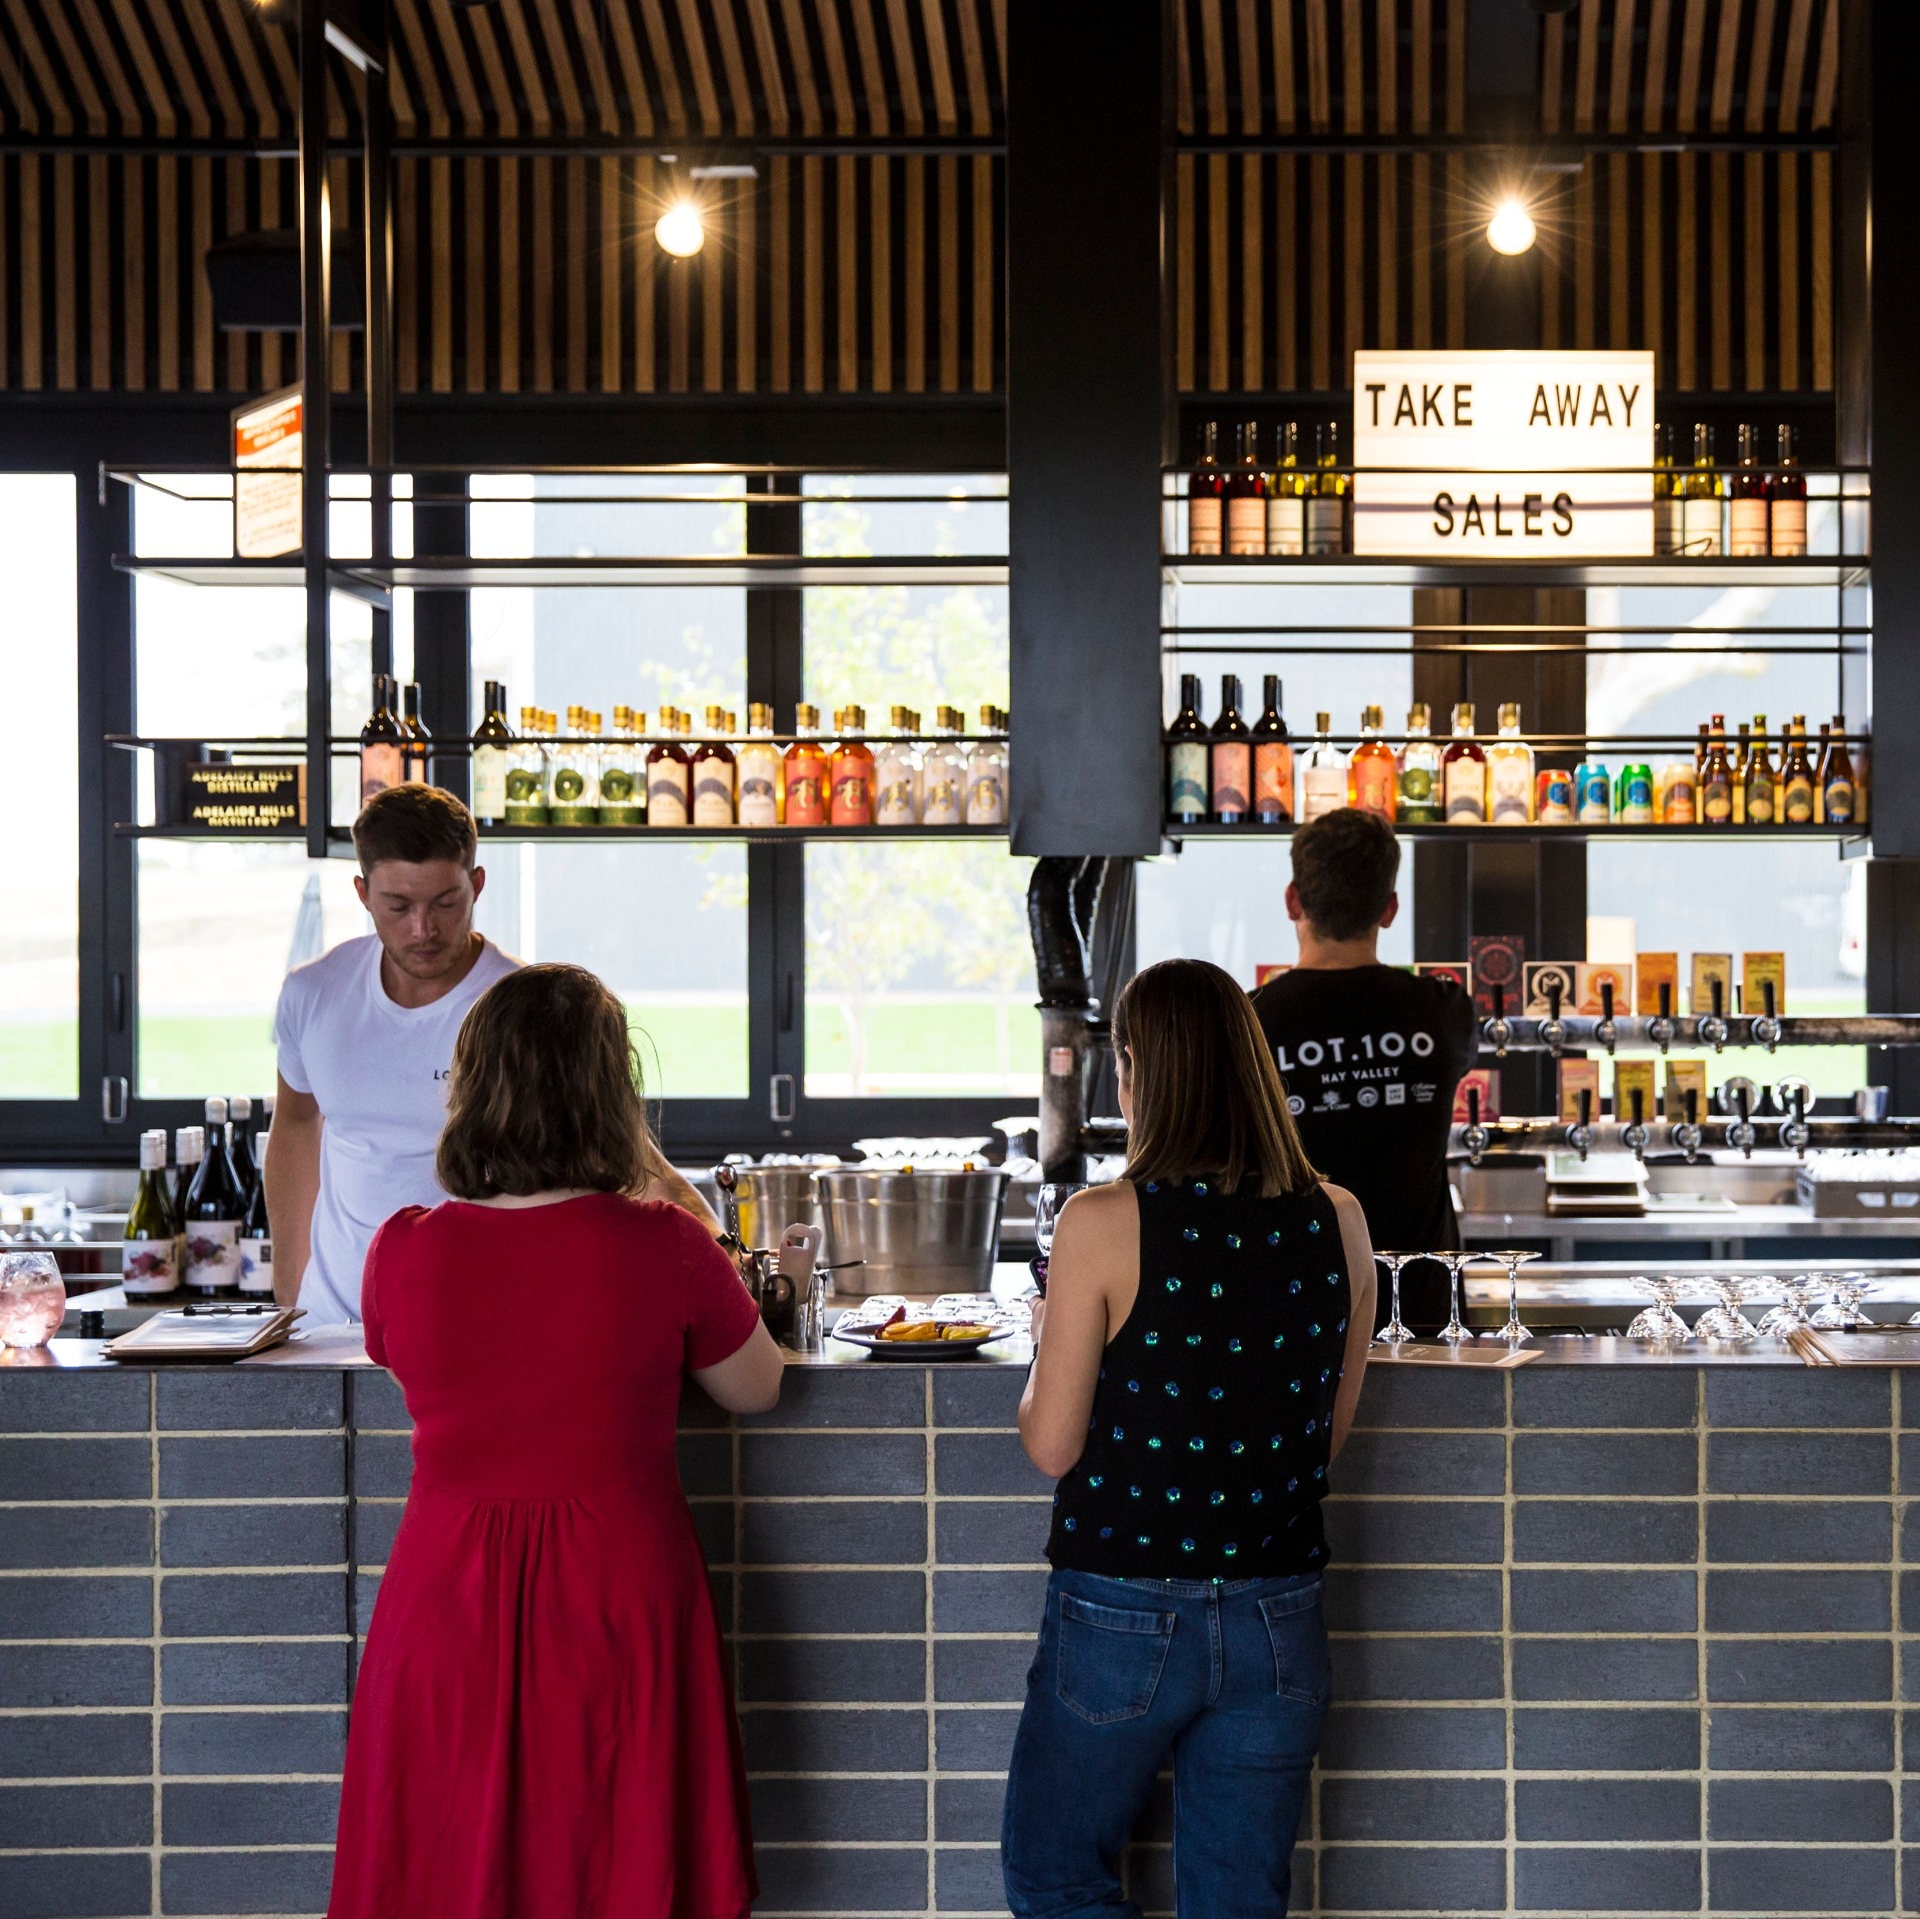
(1606, 1032)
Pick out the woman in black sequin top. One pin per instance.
(1197, 1364)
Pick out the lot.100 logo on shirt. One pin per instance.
(1364, 1070)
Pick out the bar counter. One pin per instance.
(1614, 1631)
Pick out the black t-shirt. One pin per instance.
(1371, 1057)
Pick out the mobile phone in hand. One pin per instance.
(1038, 1268)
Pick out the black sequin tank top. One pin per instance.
(1207, 1453)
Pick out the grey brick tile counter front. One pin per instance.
(1607, 1640)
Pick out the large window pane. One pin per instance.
(919, 972)
(664, 926)
(40, 835)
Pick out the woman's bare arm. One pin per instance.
(1358, 1247)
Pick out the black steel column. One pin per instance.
(376, 212)
(442, 655)
(1087, 420)
(315, 413)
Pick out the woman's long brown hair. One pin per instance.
(545, 1091)
(1206, 1092)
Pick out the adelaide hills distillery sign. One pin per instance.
(1503, 456)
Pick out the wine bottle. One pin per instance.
(1463, 772)
(713, 774)
(1700, 499)
(416, 753)
(492, 748)
(669, 776)
(256, 1235)
(382, 743)
(189, 1148)
(759, 767)
(1747, 508)
(1787, 501)
(1666, 493)
(1187, 757)
(1247, 497)
(150, 1247)
(1272, 760)
(1327, 505)
(1287, 495)
(216, 1209)
(240, 1127)
(1206, 491)
(1323, 780)
(1230, 758)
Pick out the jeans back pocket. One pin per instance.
(1110, 1659)
(1297, 1628)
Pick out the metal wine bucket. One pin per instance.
(931, 1232)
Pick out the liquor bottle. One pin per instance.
(1372, 777)
(1837, 788)
(1666, 493)
(713, 774)
(1206, 494)
(1230, 758)
(1187, 757)
(382, 743)
(987, 771)
(943, 772)
(526, 802)
(669, 774)
(1323, 779)
(215, 1210)
(1287, 495)
(1247, 497)
(1327, 504)
(416, 753)
(575, 779)
(189, 1148)
(759, 763)
(896, 774)
(240, 1142)
(256, 1234)
(150, 1247)
(1272, 760)
(1747, 508)
(622, 789)
(1700, 499)
(1510, 773)
(1761, 781)
(1715, 800)
(492, 751)
(1796, 776)
(850, 772)
(1420, 770)
(1463, 772)
(1742, 757)
(804, 771)
(1787, 500)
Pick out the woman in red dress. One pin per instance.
(543, 1726)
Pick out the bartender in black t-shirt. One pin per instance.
(1370, 1055)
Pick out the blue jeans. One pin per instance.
(1229, 1680)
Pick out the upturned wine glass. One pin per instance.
(1395, 1332)
(1514, 1332)
(1724, 1323)
(1797, 1301)
(1842, 1309)
(1660, 1321)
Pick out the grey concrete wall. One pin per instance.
(1607, 1640)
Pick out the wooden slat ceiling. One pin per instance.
(532, 271)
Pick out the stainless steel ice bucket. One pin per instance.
(772, 1198)
(931, 1232)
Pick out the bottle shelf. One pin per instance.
(612, 835)
(366, 579)
(1175, 834)
(1348, 569)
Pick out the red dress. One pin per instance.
(543, 1726)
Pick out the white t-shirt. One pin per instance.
(379, 1073)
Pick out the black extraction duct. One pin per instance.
(1063, 899)
(255, 279)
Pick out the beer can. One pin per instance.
(1593, 793)
(1636, 794)
(1553, 796)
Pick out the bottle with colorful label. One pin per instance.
(1287, 495)
(1787, 501)
(896, 774)
(804, 769)
(256, 1232)
(669, 774)
(712, 773)
(622, 778)
(1247, 497)
(1419, 770)
(527, 789)
(383, 743)
(492, 754)
(1323, 779)
(1327, 504)
(759, 764)
(1510, 772)
(1797, 776)
(1715, 799)
(1373, 779)
(1230, 757)
(943, 772)
(1272, 760)
(1747, 501)
(987, 771)
(575, 780)
(1762, 780)
(1837, 789)
(1463, 772)
(850, 771)
(150, 1250)
(215, 1210)
(1187, 758)
(1206, 495)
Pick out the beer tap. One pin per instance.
(1660, 1027)
(1713, 1029)
(1686, 1134)
(1740, 1133)
(1634, 1135)
(1606, 1032)
(1766, 1026)
(1580, 1134)
(1474, 1136)
(1498, 1031)
(1553, 1032)
(1794, 1132)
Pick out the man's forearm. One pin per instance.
(292, 1175)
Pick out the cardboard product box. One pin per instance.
(1456, 970)
(1630, 1075)
(1757, 971)
(1706, 969)
(1541, 976)
(1498, 959)
(1682, 1075)
(1592, 975)
(1578, 1076)
(1651, 971)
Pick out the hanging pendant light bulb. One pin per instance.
(1511, 229)
(680, 230)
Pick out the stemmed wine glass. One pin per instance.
(1456, 1330)
(1513, 1332)
(1046, 1212)
(1394, 1332)
(1661, 1320)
